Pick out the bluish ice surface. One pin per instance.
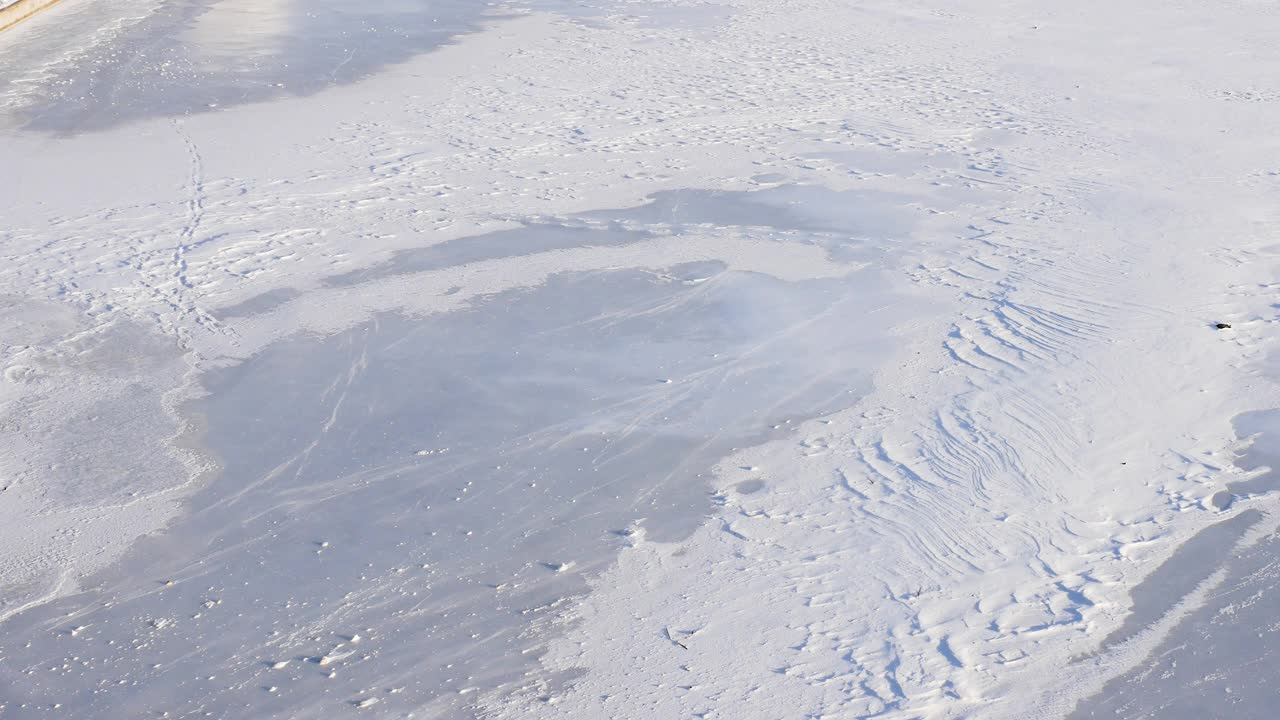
(1193, 563)
(799, 208)
(438, 485)
(401, 506)
(532, 237)
(1221, 660)
(262, 303)
(102, 63)
(852, 226)
(1263, 452)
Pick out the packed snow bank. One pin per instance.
(13, 12)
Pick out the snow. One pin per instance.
(745, 359)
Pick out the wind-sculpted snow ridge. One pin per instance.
(960, 543)
(1066, 209)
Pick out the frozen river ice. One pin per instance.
(637, 358)
(400, 508)
(176, 57)
(437, 486)
(1219, 659)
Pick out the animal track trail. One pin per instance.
(194, 205)
(174, 292)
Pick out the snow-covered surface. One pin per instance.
(742, 359)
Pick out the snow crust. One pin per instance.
(1091, 188)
